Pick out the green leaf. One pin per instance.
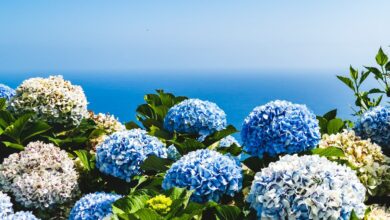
(330, 115)
(216, 136)
(375, 90)
(347, 82)
(329, 152)
(157, 164)
(381, 58)
(354, 216)
(188, 145)
(85, 159)
(131, 203)
(323, 123)
(227, 212)
(6, 118)
(13, 145)
(387, 67)
(15, 130)
(35, 129)
(335, 125)
(354, 73)
(147, 214)
(234, 150)
(376, 72)
(3, 102)
(131, 125)
(364, 76)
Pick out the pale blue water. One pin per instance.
(236, 93)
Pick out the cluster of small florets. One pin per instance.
(7, 212)
(42, 176)
(306, 187)
(173, 153)
(122, 153)
(375, 124)
(194, 116)
(6, 92)
(378, 213)
(107, 123)
(93, 206)
(228, 141)
(209, 173)
(372, 167)
(53, 99)
(160, 204)
(280, 127)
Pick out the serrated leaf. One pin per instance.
(381, 58)
(347, 82)
(329, 152)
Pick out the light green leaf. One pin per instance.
(335, 125)
(13, 145)
(381, 58)
(329, 152)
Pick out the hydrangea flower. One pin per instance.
(22, 215)
(42, 176)
(372, 167)
(209, 173)
(107, 123)
(378, 213)
(173, 153)
(6, 92)
(375, 124)
(53, 99)
(228, 141)
(306, 187)
(194, 116)
(280, 127)
(122, 153)
(160, 204)
(5, 205)
(93, 206)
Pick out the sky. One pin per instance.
(104, 36)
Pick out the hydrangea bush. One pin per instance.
(306, 187)
(93, 206)
(210, 174)
(375, 124)
(280, 127)
(6, 92)
(53, 99)
(41, 177)
(372, 167)
(194, 116)
(122, 153)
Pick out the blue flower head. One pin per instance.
(306, 187)
(22, 215)
(173, 153)
(93, 206)
(5, 205)
(280, 127)
(375, 124)
(194, 116)
(228, 141)
(6, 92)
(209, 173)
(122, 153)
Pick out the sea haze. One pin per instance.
(236, 93)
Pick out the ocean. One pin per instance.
(237, 93)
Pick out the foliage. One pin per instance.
(365, 99)
(330, 124)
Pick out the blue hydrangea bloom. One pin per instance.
(375, 124)
(6, 92)
(280, 127)
(228, 141)
(22, 215)
(122, 153)
(93, 206)
(172, 152)
(194, 116)
(5, 205)
(306, 187)
(209, 173)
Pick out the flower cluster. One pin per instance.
(372, 167)
(209, 173)
(228, 141)
(306, 187)
(194, 116)
(280, 127)
(173, 153)
(122, 153)
(42, 176)
(378, 213)
(375, 124)
(93, 206)
(52, 99)
(6, 92)
(160, 204)
(7, 212)
(107, 123)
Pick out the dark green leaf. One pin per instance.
(354, 73)
(354, 216)
(387, 67)
(131, 203)
(35, 129)
(377, 73)
(227, 212)
(347, 82)
(330, 115)
(147, 214)
(15, 130)
(375, 90)
(329, 152)
(381, 57)
(131, 125)
(230, 129)
(323, 123)
(13, 145)
(6, 118)
(157, 164)
(364, 76)
(234, 150)
(335, 125)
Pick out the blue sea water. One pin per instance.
(237, 93)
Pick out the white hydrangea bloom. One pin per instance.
(42, 176)
(5, 205)
(378, 213)
(372, 166)
(53, 99)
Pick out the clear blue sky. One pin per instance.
(96, 35)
